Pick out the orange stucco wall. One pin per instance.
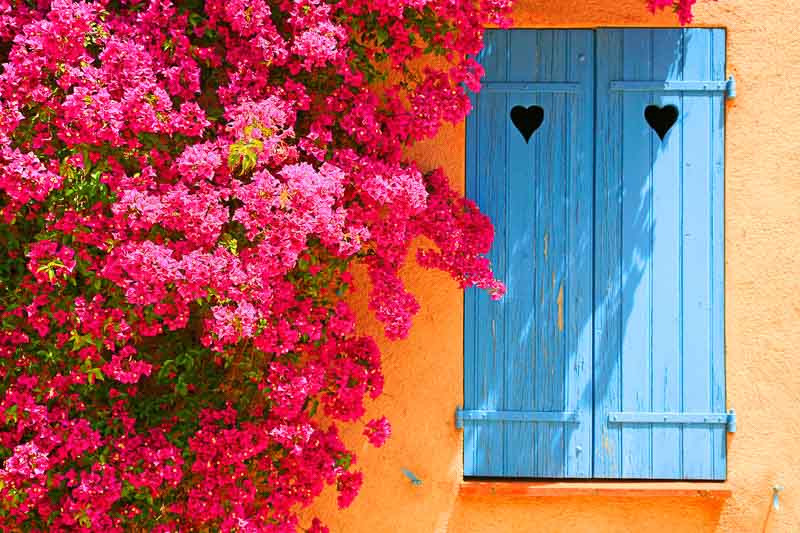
(424, 373)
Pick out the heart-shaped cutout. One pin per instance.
(527, 119)
(661, 119)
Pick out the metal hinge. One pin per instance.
(686, 419)
(730, 88)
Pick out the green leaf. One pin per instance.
(314, 406)
(95, 374)
(344, 461)
(382, 35)
(11, 414)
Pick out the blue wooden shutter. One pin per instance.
(527, 371)
(659, 373)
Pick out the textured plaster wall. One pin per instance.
(762, 176)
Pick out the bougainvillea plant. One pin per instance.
(184, 188)
(683, 8)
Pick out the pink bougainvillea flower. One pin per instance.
(378, 431)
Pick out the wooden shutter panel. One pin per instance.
(527, 371)
(659, 374)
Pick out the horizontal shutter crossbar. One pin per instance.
(727, 86)
(530, 87)
(623, 417)
(487, 415)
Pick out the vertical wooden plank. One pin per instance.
(554, 157)
(579, 228)
(719, 437)
(521, 326)
(607, 238)
(665, 260)
(636, 258)
(549, 151)
(542, 384)
(696, 121)
(489, 187)
(471, 363)
(697, 133)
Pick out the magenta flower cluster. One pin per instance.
(683, 8)
(185, 187)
